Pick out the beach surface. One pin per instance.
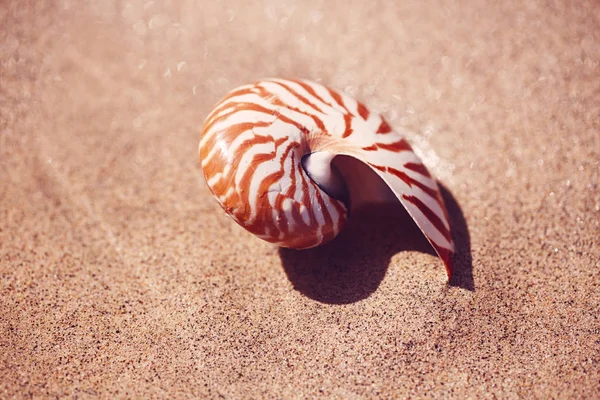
(121, 277)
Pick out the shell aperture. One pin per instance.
(266, 152)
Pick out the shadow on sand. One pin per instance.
(352, 266)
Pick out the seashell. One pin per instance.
(266, 152)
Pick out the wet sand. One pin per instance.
(120, 276)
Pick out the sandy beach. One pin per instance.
(121, 277)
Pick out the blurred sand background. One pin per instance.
(121, 277)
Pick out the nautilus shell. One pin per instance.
(266, 152)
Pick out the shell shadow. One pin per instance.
(351, 267)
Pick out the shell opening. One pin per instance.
(363, 184)
(325, 175)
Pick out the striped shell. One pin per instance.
(266, 152)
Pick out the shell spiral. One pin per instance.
(252, 149)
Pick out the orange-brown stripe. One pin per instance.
(413, 182)
(363, 111)
(306, 200)
(299, 96)
(348, 123)
(384, 128)
(223, 185)
(311, 91)
(401, 145)
(228, 135)
(447, 257)
(397, 147)
(430, 215)
(420, 168)
(316, 119)
(326, 216)
(264, 216)
(338, 99)
(237, 107)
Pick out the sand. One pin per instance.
(121, 277)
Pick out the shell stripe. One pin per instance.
(299, 96)
(384, 128)
(401, 145)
